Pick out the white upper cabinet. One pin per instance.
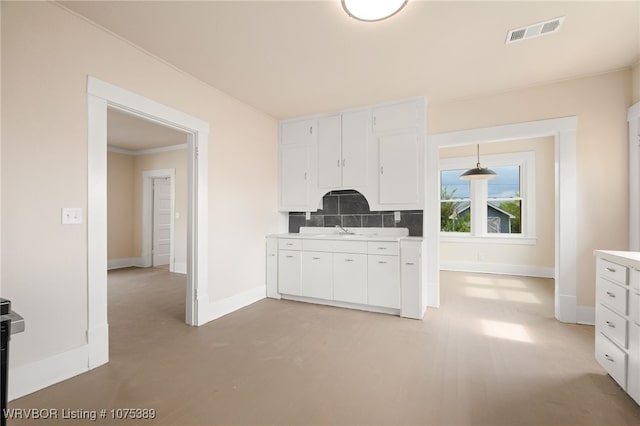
(330, 152)
(354, 149)
(391, 118)
(293, 178)
(399, 169)
(376, 150)
(297, 132)
(342, 150)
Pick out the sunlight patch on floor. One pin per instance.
(501, 294)
(505, 330)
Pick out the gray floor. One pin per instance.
(491, 355)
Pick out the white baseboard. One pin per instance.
(226, 306)
(565, 309)
(180, 268)
(32, 377)
(337, 304)
(124, 263)
(498, 268)
(586, 315)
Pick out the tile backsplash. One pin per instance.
(351, 210)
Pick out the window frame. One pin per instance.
(479, 198)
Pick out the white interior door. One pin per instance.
(161, 248)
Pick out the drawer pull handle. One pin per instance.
(289, 244)
(272, 255)
(348, 260)
(608, 357)
(289, 256)
(315, 258)
(382, 248)
(611, 294)
(611, 270)
(382, 261)
(409, 263)
(610, 324)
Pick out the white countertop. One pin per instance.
(628, 258)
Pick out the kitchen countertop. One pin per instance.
(629, 258)
(346, 237)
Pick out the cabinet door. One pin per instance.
(410, 281)
(296, 132)
(390, 118)
(354, 149)
(289, 272)
(293, 177)
(272, 268)
(350, 277)
(399, 169)
(317, 275)
(633, 382)
(384, 281)
(330, 152)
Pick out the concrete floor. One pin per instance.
(491, 355)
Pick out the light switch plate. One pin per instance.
(308, 216)
(71, 215)
(396, 216)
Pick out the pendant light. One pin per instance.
(478, 172)
(372, 10)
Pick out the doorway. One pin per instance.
(100, 96)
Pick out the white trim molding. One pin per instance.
(499, 268)
(148, 151)
(220, 308)
(125, 263)
(633, 117)
(564, 132)
(100, 96)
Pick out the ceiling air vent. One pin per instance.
(535, 30)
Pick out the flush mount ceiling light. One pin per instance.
(372, 10)
(478, 172)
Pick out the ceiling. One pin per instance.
(128, 132)
(293, 58)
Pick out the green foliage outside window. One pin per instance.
(450, 220)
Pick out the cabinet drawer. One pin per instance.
(612, 358)
(290, 244)
(612, 271)
(335, 246)
(634, 306)
(612, 295)
(612, 325)
(383, 247)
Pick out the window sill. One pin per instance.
(486, 239)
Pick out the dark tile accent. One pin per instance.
(353, 204)
(413, 221)
(332, 220)
(315, 221)
(387, 221)
(354, 221)
(295, 222)
(329, 205)
(372, 221)
(349, 208)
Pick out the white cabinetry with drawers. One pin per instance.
(618, 317)
(381, 276)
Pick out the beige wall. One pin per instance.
(600, 103)
(635, 85)
(119, 206)
(46, 57)
(542, 253)
(163, 160)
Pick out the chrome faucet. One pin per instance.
(344, 231)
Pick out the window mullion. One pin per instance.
(478, 207)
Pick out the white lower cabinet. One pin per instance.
(384, 281)
(411, 280)
(350, 277)
(289, 272)
(317, 275)
(272, 268)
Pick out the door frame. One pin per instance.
(100, 96)
(563, 130)
(147, 215)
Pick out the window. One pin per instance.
(498, 208)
